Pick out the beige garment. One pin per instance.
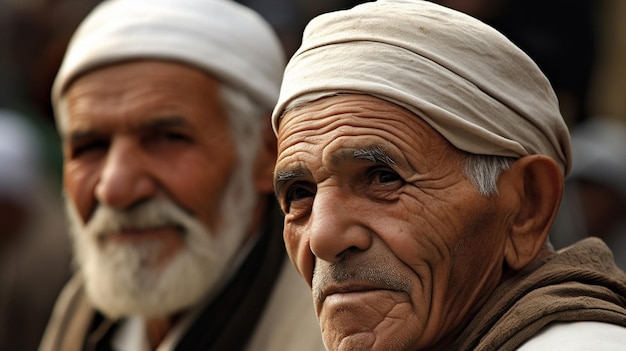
(579, 283)
(288, 323)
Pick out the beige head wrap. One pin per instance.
(227, 40)
(465, 79)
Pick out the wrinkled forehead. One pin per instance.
(351, 112)
(157, 87)
(353, 125)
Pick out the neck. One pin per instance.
(157, 329)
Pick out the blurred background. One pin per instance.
(580, 45)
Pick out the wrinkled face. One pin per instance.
(149, 166)
(397, 245)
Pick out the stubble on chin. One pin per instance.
(371, 321)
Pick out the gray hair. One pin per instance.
(483, 171)
(245, 116)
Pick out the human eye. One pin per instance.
(87, 147)
(172, 136)
(383, 176)
(168, 139)
(167, 131)
(381, 183)
(297, 197)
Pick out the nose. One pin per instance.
(124, 178)
(337, 225)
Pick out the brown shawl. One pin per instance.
(579, 283)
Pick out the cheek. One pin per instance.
(424, 255)
(198, 184)
(422, 240)
(79, 183)
(292, 241)
(416, 235)
(439, 241)
(200, 195)
(479, 255)
(297, 246)
(433, 225)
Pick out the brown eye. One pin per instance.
(295, 193)
(170, 137)
(83, 149)
(383, 176)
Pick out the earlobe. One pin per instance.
(265, 161)
(538, 181)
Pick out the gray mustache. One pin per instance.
(153, 213)
(379, 274)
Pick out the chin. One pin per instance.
(119, 284)
(124, 279)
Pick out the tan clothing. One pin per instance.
(288, 322)
(264, 306)
(579, 283)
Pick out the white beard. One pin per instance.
(123, 279)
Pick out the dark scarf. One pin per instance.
(580, 283)
(229, 321)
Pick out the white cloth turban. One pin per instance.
(465, 79)
(225, 39)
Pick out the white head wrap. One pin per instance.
(465, 79)
(221, 37)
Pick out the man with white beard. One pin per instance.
(163, 110)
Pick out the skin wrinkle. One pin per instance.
(426, 210)
(184, 245)
(344, 271)
(374, 154)
(380, 327)
(418, 224)
(285, 176)
(389, 319)
(455, 293)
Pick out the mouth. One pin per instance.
(356, 300)
(351, 289)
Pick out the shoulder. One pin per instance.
(70, 318)
(578, 336)
(289, 322)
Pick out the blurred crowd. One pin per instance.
(580, 45)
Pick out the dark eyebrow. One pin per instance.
(374, 153)
(283, 177)
(162, 123)
(78, 136)
(154, 124)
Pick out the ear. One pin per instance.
(265, 160)
(538, 182)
